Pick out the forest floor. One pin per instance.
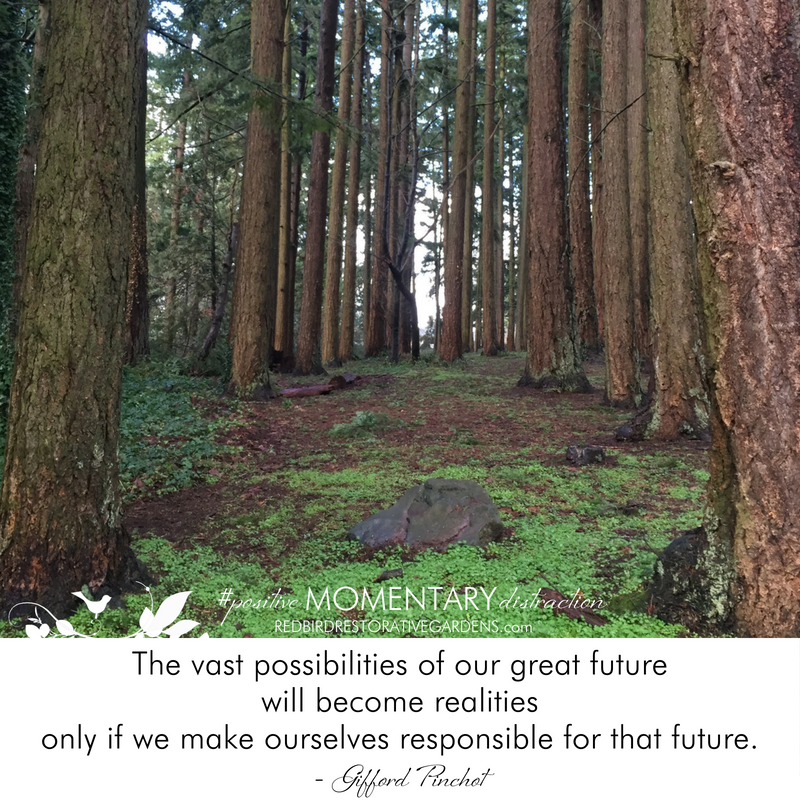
(258, 497)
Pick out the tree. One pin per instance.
(316, 210)
(375, 334)
(452, 345)
(255, 281)
(741, 72)
(488, 248)
(347, 332)
(580, 216)
(679, 404)
(636, 118)
(553, 357)
(60, 521)
(614, 227)
(333, 272)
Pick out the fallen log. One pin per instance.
(306, 391)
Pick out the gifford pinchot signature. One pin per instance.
(362, 781)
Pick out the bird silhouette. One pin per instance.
(95, 606)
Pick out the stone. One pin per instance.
(434, 514)
(581, 456)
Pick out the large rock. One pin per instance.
(435, 514)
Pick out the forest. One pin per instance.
(299, 295)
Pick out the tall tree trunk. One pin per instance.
(512, 268)
(193, 288)
(452, 348)
(469, 203)
(137, 307)
(333, 272)
(375, 338)
(445, 173)
(488, 249)
(408, 154)
(499, 270)
(256, 277)
(316, 210)
(740, 93)
(60, 518)
(680, 404)
(170, 310)
(287, 352)
(285, 214)
(622, 372)
(368, 246)
(524, 251)
(596, 156)
(553, 359)
(347, 332)
(639, 194)
(580, 212)
(222, 296)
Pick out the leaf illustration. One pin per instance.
(146, 620)
(37, 632)
(65, 628)
(204, 636)
(179, 628)
(171, 609)
(167, 613)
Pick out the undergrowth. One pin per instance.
(597, 529)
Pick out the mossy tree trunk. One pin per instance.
(553, 358)
(60, 521)
(740, 95)
(256, 275)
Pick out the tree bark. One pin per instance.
(333, 272)
(521, 339)
(622, 372)
(375, 338)
(255, 280)
(553, 359)
(679, 404)
(60, 520)
(580, 212)
(287, 351)
(285, 214)
(636, 117)
(488, 249)
(347, 333)
(740, 92)
(452, 346)
(170, 311)
(469, 204)
(316, 209)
